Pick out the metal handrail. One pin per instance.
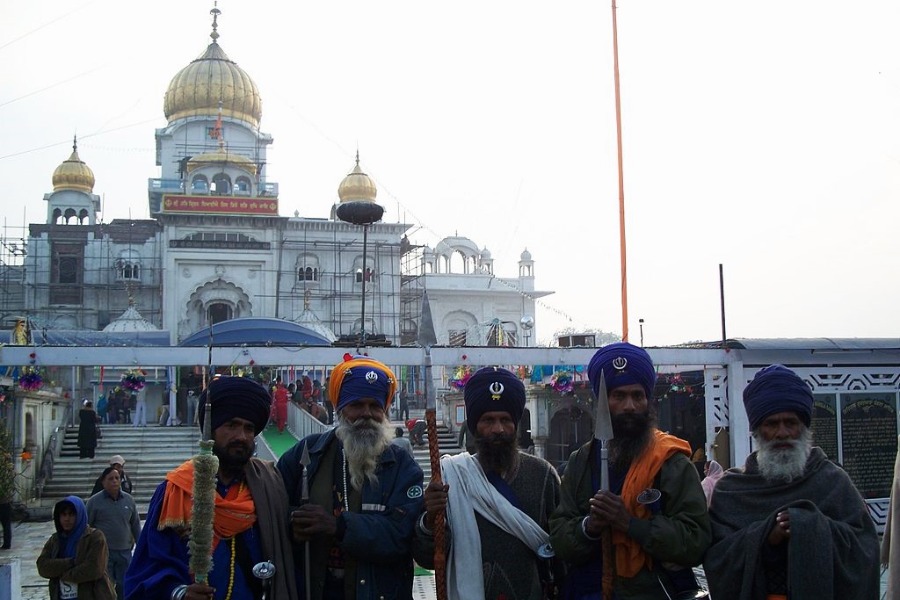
(54, 445)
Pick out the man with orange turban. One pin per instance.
(364, 493)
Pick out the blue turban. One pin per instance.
(236, 397)
(623, 364)
(493, 389)
(776, 389)
(361, 377)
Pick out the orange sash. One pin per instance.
(234, 514)
(630, 558)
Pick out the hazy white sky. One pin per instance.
(762, 135)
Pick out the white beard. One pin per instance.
(364, 441)
(783, 464)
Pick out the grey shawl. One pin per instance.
(270, 498)
(833, 548)
(890, 543)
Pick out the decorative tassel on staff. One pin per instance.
(206, 466)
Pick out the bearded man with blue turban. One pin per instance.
(655, 509)
(364, 493)
(498, 501)
(790, 523)
(250, 511)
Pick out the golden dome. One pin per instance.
(357, 186)
(73, 174)
(212, 78)
(220, 157)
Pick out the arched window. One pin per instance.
(221, 184)
(218, 312)
(128, 266)
(200, 184)
(308, 267)
(83, 217)
(69, 214)
(242, 186)
(57, 215)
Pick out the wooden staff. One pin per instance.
(426, 340)
(440, 557)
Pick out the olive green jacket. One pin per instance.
(680, 533)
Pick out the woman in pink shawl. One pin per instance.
(713, 471)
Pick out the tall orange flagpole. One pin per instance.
(621, 177)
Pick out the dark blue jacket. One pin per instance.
(379, 538)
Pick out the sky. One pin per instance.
(763, 136)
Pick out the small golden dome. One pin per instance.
(73, 174)
(357, 186)
(220, 157)
(212, 78)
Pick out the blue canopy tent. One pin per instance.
(255, 331)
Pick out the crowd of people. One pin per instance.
(346, 513)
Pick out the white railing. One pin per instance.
(301, 424)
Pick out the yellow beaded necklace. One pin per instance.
(233, 544)
(231, 573)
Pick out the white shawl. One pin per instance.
(471, 491)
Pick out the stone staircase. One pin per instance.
(447, 444)
(150, 452)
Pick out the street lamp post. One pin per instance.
(361, 212)
(527, 323)
(641, 324)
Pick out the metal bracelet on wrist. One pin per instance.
(584, 530)
(179, 592)
(422, 527)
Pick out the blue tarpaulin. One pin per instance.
(255, 331)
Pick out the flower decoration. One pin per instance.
(561, 381)
(133, 380)
(461, 377)
(30, 380)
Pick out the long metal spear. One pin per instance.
(427, 339)
(603, 432)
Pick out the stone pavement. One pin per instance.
(29, 538)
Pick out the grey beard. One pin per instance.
(783, 464)
(364, 440)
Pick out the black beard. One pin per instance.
(632, 434)
(497, 452)
(631, 425)
(234, 457)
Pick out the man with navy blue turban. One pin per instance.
(250, 522)
(790, 522)
(363, 493)
(654, 511)
(498, 502)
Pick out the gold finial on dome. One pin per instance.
(215, 12)
(73, 174)
(357, 185)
